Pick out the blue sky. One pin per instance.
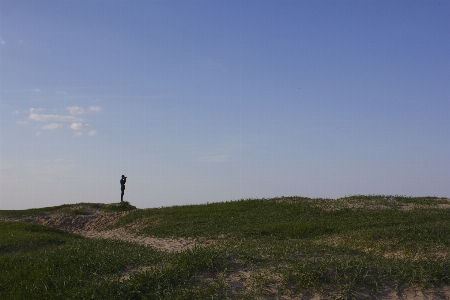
(204, 101)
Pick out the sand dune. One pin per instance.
(95, 225)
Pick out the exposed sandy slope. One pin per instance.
(96, 224)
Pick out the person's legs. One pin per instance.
(121, 196)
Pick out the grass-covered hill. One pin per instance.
(366, 247)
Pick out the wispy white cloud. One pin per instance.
(36, 109)
(51, 126)
(79, 128)
(49, 118)
(37, 90)
(95, 108)
(60, 93)
(76, 110)
(78, 124)
(2, 41)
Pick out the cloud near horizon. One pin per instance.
(79, 127)
(36, 116)
(51, 126)
(36, 109)
(76, 110)
(48, 118)
(78, 124)
(95, 108)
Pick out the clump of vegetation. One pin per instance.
(119, 207)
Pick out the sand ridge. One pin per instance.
(96, 224)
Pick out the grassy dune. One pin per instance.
(282, 248)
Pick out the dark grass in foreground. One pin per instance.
(351, 247)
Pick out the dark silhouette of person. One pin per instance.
(122, 186)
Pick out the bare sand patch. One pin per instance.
(413, 293)
(165, 244)
(126, 274)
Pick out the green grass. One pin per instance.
(18, 237)
(33, 211)
(279, 218)
(57, 265)
(75, 209)
(344, 248)
(119, 207)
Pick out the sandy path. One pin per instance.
(95, 226)
(165, 244)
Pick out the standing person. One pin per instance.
(122, 186)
